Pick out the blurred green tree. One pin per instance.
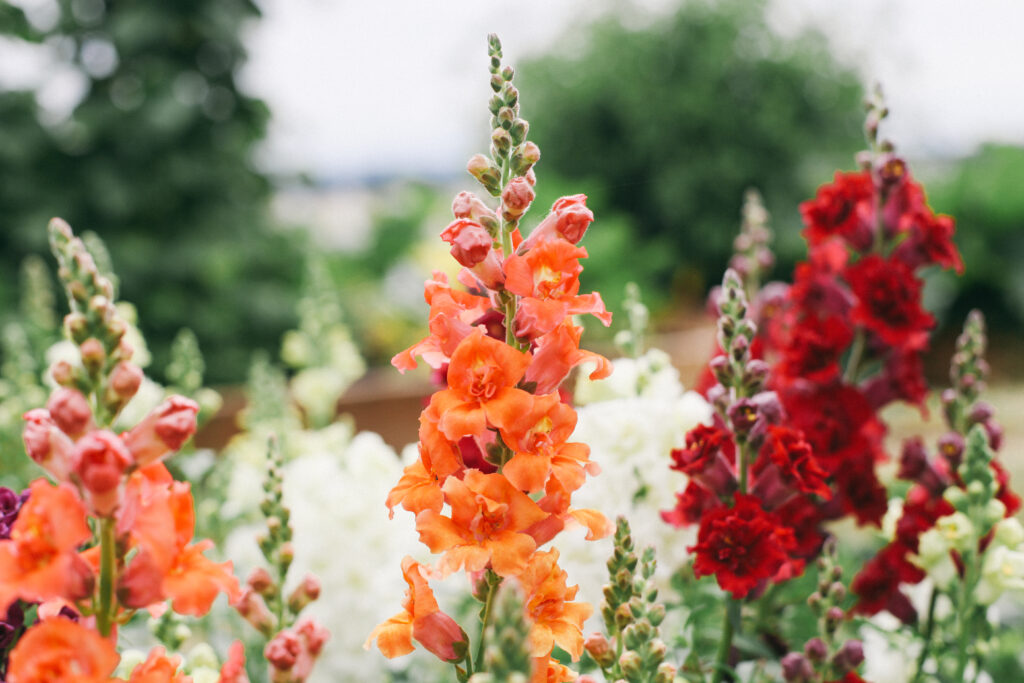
(665, 126)
(156, 158)
(983, 193)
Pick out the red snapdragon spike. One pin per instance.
(743, 546)
(929, 241)
(877, 586)
(691, 504)
(889, 302)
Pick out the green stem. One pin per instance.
(928, 630)
(964, 611)
(850, 376)
(725, 645)
(492, 589)
(108, 562)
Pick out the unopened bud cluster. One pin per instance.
(95, 326)
(968, 371)
(506, 657)
(509, 171)
(824, 657)
(752, 254)
(292, 648)
(632, 617)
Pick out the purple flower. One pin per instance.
(10, 503)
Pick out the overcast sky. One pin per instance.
(389, 87)
(360, 86)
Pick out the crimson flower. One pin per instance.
(742, 545)
(844, 208)
(889, 301)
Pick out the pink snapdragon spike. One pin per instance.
(293, 652)
(99, 462)
(47, 445)
(70, 412)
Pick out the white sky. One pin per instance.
(396, 85)
(391, 87)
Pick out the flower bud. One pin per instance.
(261, 582)
(125, 380)
(517, 197)
(283, 651)
(470, 241)
(796, 668)
(631, 664)
(99, 461)
(849, 657)
(77, 326)
(524, 158)
(305, 593)
(598, 647)
(93, 355)
(816, 650)
(63, 373)
(164, 430)
(70, 411)
(502, 141)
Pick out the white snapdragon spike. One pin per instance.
(632, 421)
(1009, 532)
(890, 653)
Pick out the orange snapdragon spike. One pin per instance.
(421, 618)
(453, 313)
(490, 522)
(556, 620)
(59, 649)
(481, 378)
(40, 561)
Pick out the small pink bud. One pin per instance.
(470, 241)
(314, 634)
(254, 610)
(598, 647)
(261, 581)
(70, 411)
(283, 650)
(163, 431)
(573, 217)
(62, 373)
(305, 593)
(99, 461)
(46, 444)
(126, 379)
(517, 196)
(93, 354)
(441, 636)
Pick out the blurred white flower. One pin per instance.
(631, 422)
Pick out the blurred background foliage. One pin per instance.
(663, 125)
(156, 158)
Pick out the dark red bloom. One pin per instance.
(786, 449)
(929, 241)
(901, 379)
(690, 505)
(703, 444)
(860, 492)
(845, 208)
(1005, 494)
(742, 545)
(889, 301)
(877, 586)
(814, 347)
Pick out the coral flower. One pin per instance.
(158, 514)
(548, 670)
(453, 315)
(416, 491)
(555, 619)
(159, 668)
(845, 208)
(61, 650)
(481, 378)
(547, 279)
(538, 442)
(488, 524)
(40, 561)
(557, 353)
(421, 618)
